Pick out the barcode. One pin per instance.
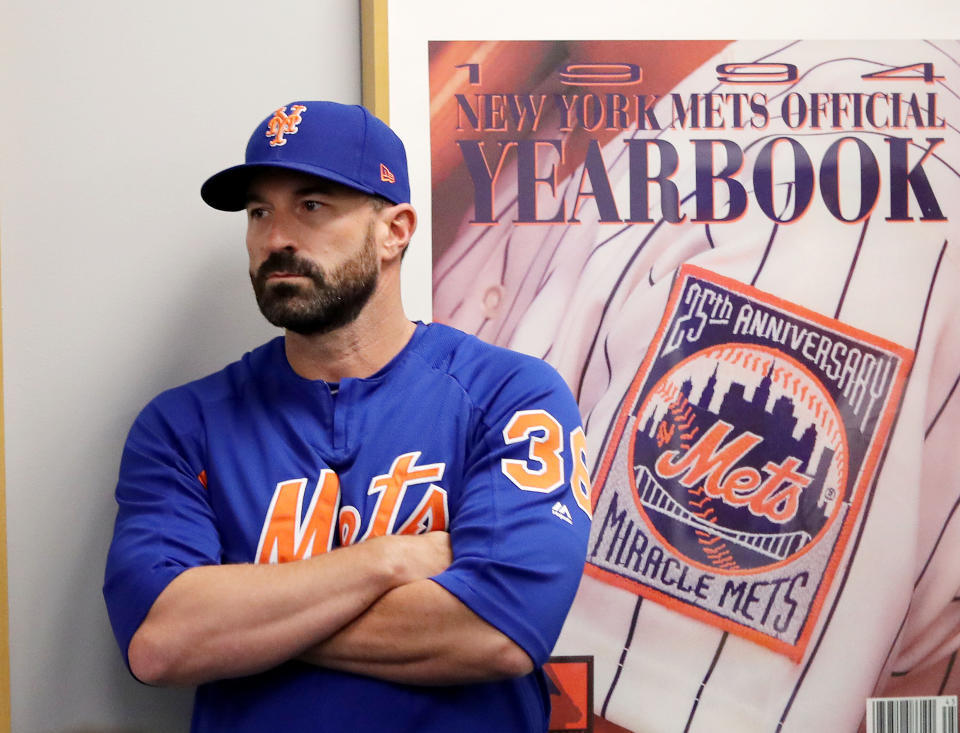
(912, 714)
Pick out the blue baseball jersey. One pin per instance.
(255, 464)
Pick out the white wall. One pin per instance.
(118, 282)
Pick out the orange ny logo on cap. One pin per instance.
(386, 175)
(283, 124)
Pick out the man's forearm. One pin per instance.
(221, 621)
(421, 634)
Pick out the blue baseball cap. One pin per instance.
(339, 142)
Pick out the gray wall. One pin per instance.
(119, 282)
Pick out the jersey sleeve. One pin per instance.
(520, 528)
(164, 523)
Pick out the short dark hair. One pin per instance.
(379, 202)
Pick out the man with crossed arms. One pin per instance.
(366, 523)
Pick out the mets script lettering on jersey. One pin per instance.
(291, 532)
(390, 488)
(741, 458)
(284, 124)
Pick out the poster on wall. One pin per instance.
(742, 257)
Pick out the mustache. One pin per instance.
(286, 261)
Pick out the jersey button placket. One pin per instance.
(341, 406)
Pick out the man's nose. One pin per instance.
(281, 234)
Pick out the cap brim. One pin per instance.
(227, 190)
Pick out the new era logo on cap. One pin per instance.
(342, 143)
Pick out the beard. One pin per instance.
(330, 301)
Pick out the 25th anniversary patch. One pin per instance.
(741, 458)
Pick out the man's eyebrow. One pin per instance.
(252, 197)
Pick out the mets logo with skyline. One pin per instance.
(741, 458)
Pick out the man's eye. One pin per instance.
(312, 205)
(256, 213)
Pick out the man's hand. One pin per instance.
(416, 557)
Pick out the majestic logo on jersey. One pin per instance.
(284, 124)
(291, 533)
(741, 459)
(562, 511)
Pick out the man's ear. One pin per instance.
(401, 222)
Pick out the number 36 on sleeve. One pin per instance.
(543, 471)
